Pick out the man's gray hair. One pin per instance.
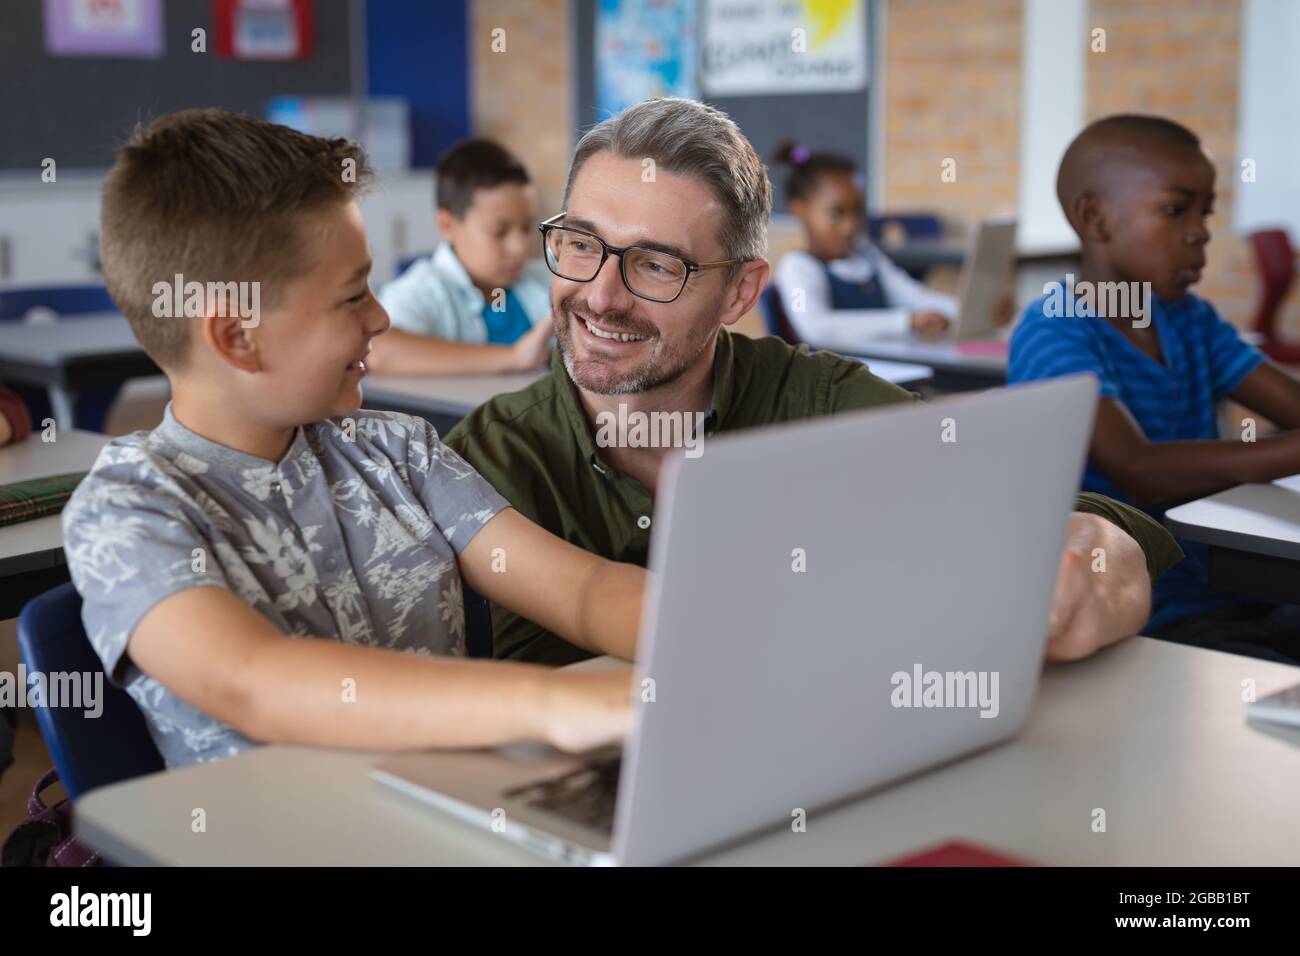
(691, 139)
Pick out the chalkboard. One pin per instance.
(830, 122)
(78, 109)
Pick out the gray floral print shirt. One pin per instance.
(353, 535)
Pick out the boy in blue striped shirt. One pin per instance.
(1138, 191)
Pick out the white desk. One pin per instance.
(440, 396)
(445, 399)
(957, 366)
(31, 552)
(1253, 532)
(69, 354)
(900, 373)
(1153, 733)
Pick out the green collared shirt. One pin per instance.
(537, 448)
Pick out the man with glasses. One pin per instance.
(660, 245)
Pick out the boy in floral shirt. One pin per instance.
(250, 567)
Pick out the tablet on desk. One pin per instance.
(984, 277)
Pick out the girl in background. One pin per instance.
(843, 287)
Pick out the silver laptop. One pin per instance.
(985, 275)
(838, 603)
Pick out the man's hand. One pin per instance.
(533, 350)
(929, 325)
(1103, 590)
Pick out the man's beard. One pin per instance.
(666, 362)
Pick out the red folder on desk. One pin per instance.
(1000, 347)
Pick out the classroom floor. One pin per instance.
(140, 406)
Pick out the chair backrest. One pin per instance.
(88, 752)
(66, 300)
(478, 622)
(92, 752)
(774, 317)
(1276, 261)
(915, 225)
(405, 263)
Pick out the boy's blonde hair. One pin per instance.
(216, 197)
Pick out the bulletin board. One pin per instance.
(77, 109)
(836, 122)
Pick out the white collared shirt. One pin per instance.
(435, 296)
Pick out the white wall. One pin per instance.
(50, 231)
(1054, 76)
(1268, 117)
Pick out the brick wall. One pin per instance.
(1180, 58)
(952, 89)
(522, 97)
(952, 76)
(955, 92)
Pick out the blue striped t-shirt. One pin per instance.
(1204, 361)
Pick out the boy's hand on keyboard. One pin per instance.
(587, 709)
(1103, 589)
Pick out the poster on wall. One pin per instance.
(753, 47)
(264, 29)
(644, 48)
(114, 28)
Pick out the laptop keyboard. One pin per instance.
(585, 795)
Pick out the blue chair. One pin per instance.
(116, 746)
(916, 225)
(6, 744)
(774, 317)
(404, 264)
(92, 405)
(87, 752)
(919, 225)
(478, 622)
(68, 300)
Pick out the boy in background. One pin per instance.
(477, 304)
(1138, 191)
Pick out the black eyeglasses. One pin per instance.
(578, 256)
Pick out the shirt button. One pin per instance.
(330, 564)
(275, 487)
(643, 522)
